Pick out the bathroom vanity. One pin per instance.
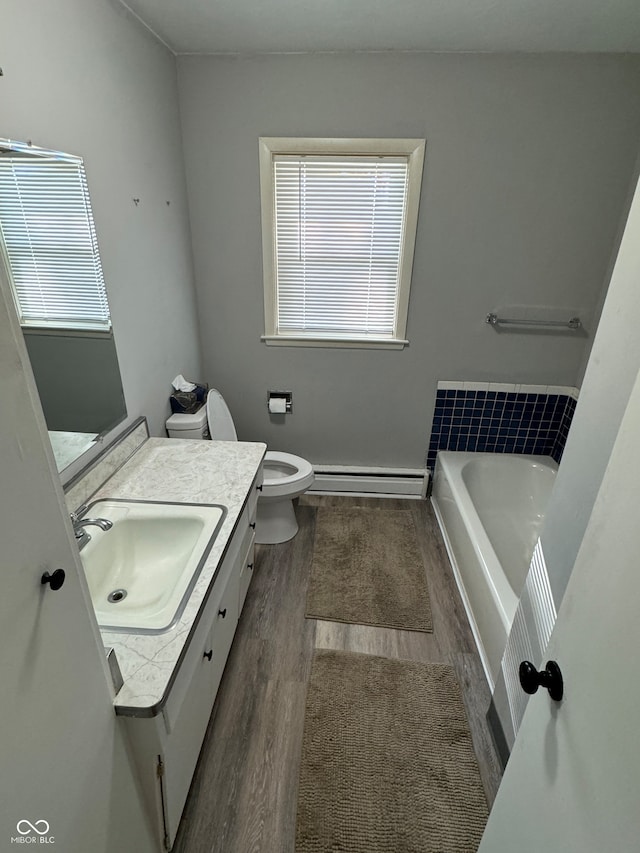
(171, 678)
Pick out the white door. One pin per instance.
(573, 779)
(64, 778)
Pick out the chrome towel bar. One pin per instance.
(574, 323)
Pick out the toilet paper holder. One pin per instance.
(275, 399)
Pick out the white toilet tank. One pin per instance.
(188, 426)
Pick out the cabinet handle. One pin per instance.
(252, 525)
(259, 488)
(222, 613)
(208, 655)
(250, 566)
(55, 580)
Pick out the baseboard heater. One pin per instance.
(392, 482)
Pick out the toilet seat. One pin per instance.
(276, 484)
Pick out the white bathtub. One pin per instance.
(490, 507)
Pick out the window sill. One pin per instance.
(344, 343)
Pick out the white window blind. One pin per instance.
(339, 224)
(50, 243)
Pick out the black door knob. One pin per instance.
(55, 580)
(222, 613)
(208, 655)
(550, 678)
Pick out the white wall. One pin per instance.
(527, 168)
(608, 381)
(572, 780)
(63, 753)
(82, 77)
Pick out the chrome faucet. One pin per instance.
(79, 524)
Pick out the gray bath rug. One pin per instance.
(387, 760)
(367, 570)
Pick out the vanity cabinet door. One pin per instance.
(246, 573)
(182, 745)
(224, 628)
(186, 731)
(247, 550)
(254, 494)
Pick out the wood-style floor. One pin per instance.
(244, 793)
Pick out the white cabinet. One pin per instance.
(187, 727)
(246, 573)
(247, 548)
(165, 747)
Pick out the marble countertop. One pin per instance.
(180, 471)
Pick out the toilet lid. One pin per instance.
(221, 426)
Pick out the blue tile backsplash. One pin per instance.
(500, 422)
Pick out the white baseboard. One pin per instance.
(387, 482)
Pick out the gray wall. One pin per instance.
(528, 164)
(78, 380)
(81, 76)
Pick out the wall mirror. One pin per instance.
(49, 250)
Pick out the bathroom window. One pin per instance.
(48, 240)
(339, 220)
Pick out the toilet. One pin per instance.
(285, 476)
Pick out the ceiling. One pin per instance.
(284, 26)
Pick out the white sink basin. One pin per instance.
(142, 571)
